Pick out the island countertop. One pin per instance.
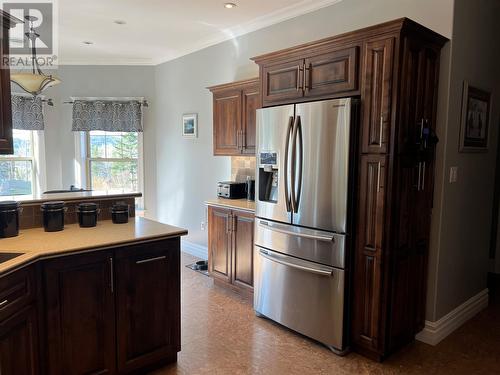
(36, 243)
(73, 196)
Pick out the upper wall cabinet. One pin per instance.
(6, 145)
(318, 73)
(234, 109)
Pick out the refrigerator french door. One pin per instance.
(301, 217)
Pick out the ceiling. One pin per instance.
(160, 30)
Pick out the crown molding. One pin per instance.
(283, 14)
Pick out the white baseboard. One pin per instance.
(194, 249)
(434, 332)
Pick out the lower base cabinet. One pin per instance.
(113, 311)
(19, 343)
(148, 305)
(230, 255)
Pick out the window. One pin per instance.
(17, 171)
(113, 161)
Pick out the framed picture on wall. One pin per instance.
(190, 125)
(475, 120)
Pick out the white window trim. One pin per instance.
(82, 163)
(38, 170)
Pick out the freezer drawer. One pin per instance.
(314, 245)
(301, 295)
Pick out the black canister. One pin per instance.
(119, 213)
(53, 216)
(87, 214)
(9, 218)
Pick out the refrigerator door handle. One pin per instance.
(304, 233)
(301, 157)
(293, 192)
(285, 172)
(296, 263)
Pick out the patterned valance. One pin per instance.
(27, 112)
(107, 115)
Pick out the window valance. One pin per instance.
(107, 115)
(27, 112)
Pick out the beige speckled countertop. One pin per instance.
(236, 204)
(36, 243)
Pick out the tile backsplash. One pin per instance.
(241, 167)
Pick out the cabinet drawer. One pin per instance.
(16, 291)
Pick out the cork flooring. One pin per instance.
(221, 335)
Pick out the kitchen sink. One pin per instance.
(4, 257)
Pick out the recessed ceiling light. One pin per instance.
(87, 42)
(120, 22)
(229, 5)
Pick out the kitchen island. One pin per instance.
(90, 300)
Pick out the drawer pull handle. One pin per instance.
(150, 260)
(4, 302)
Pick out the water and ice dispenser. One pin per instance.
(268, 177)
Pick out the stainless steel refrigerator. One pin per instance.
(302, 194)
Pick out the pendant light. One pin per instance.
(36, 81)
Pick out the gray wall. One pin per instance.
(187, 170)
(95, 81)
(462, 214)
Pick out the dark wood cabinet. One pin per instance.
(400, 75)
(251, 102)
(220, 243)
(6, 142)
(368, 257)
(396, 80)
(230, 253)
(113, 311)
(147, 291)
(234, 117)
(377, 94)
(331, 72)
(243, 241)
(19, 343)
(19, 346)
(80, 314)
(282, 81)
(319, 73)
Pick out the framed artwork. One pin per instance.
(190, 125)
(475, 120)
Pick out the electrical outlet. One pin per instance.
(203, 225)
(453, 175)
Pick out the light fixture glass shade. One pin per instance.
(34, 83)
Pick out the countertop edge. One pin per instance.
(28, 261)
(57, 197)
(229, 205)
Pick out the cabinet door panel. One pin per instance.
(377, 91)
(331, 73)
(219, 253)
(6, 144)
(282, 82)
(243, 250)
(251, 102)
(147, 303)
(227, 123)
(369, 252)
(80, 314)
(19, 344)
